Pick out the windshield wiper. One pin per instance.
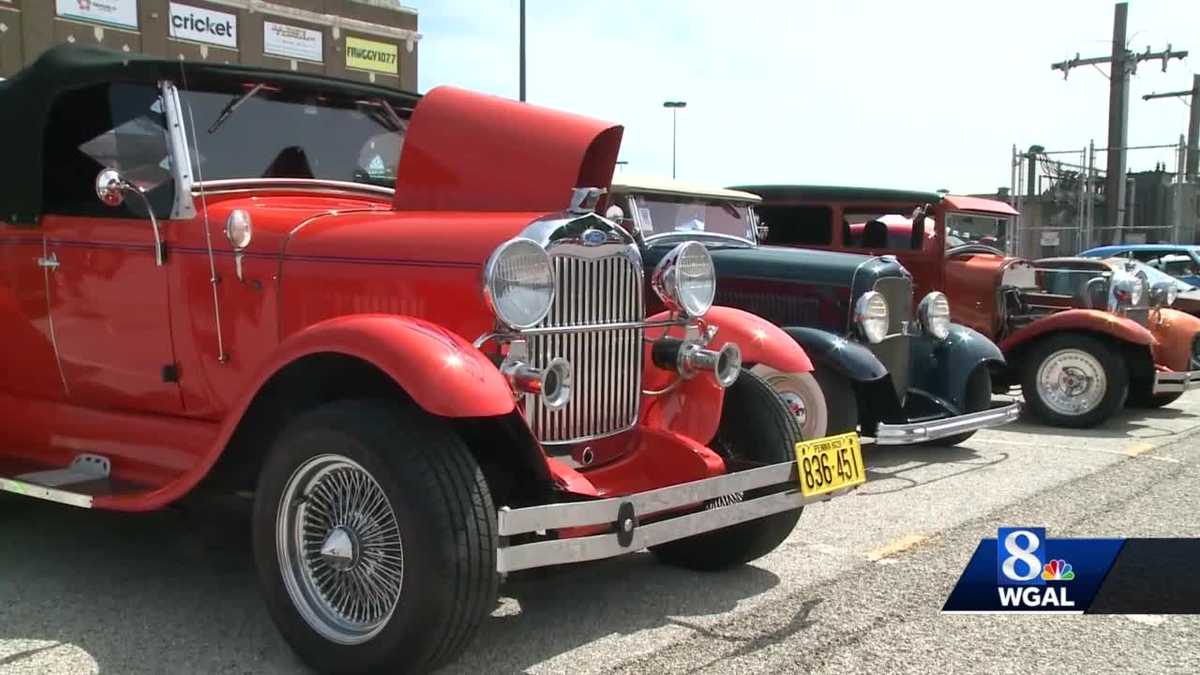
(231, 107)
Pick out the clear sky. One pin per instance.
(921, 94)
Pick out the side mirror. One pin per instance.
(111, 187)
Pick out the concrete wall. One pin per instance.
(29, 27)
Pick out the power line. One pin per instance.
(1122, 64)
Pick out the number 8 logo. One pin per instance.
(1023, 554)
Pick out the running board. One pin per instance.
(47, 485)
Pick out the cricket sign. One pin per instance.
(379, 57)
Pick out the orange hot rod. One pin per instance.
(1076, 354)
(396, 320)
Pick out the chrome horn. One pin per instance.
(689, 358)
(552, 383)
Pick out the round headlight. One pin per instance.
(934, 313)
(871, 314)
(1127, 290)
(1172, 294)
(519, 283)
(685, 279)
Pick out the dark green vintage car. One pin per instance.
(897, 378)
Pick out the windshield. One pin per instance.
(975, 228)
(664, 214)
(266, 131)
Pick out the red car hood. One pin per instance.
(466, 151)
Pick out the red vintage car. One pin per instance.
(1077, 356)
(396, 320)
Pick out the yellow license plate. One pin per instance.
(830, 463)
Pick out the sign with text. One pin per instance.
(293, 42)
(203, 25)
(120, 13)
(379, 57)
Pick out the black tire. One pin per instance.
(757, 426)
(840, 401)
(978, 398)
(444, 517)
(1115, 372)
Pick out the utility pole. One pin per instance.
(1123, 63)
(522, 50)
(1193, 132)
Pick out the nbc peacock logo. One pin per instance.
(1058, 570)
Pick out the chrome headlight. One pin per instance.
(1163, 294)
(518, 283)
(871, 315)
(686, 280)
(934, 314)
(1127, 290)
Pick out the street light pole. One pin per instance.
(674, 106)
(522, 50)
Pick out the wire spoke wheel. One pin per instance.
(339, 549)
(1071, 382)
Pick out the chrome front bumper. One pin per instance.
(1174, 382)
(920, 432)
(622, 515)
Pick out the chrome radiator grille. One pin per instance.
(607, 362)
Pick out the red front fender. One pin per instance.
(693, 408)
(1175, 331)
(1093, 320)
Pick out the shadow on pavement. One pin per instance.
(551, 612)
(176, 591)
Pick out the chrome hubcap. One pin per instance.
(339, 549)
(1071, 382)
(795, 404)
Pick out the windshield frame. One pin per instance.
(378, 112)
(634, 216)
(998, 217)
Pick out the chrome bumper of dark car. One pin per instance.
(920, 432)
(1173, 382)
(622, 515)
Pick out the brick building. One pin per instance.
(370, 40)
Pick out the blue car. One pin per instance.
(1177, 260)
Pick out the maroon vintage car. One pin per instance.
(396, 320)
(1077, 354)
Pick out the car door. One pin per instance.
(107, 292)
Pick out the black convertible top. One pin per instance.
(25, 102)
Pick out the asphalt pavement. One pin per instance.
(858, 586)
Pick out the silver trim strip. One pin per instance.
(228, 184)
(599, 512)
(919, 432)
(1173, 382)
(580, 549)
(49, 494)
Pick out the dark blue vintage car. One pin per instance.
(897, 377)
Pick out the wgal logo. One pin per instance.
(1022, 570)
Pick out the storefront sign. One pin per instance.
(380, 57)
(203, 25)
(121, 13)
(293, 42)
